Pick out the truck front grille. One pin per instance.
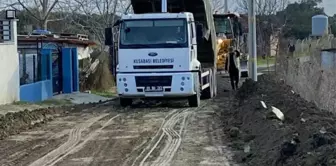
(145, 81)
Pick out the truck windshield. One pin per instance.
(153, 33)
(222, 25)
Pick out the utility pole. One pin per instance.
(226, 6)
(164, 5)
(252, 41)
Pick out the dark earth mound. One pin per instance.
(305, 138)
(16, 122)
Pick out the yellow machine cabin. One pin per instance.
(229, 34)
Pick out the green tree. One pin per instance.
(332, 23)
(298, 18)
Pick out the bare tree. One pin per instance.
(218, 5)
(269, 26)
(40, 10)
(7, 4)
(93, 16)
(264, 7)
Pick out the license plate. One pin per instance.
(154, 89)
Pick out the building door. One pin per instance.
(57, 71)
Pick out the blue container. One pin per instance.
(320, 25)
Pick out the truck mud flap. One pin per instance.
(208, 84)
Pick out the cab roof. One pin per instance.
(156, 15)
(231, 15)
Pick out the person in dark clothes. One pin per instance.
(291, 49)
(237, 27)
(233, 66)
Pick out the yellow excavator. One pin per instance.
(229, 34)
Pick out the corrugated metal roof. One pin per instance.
(26, 38)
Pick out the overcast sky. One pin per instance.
(329, 7)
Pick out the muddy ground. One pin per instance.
(231, 129)
(306, 136)
(148, 133)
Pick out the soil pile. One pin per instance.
(13, 123)
(305, 137)
(16, 122)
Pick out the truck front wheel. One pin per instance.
(195, 100)
(124, 102)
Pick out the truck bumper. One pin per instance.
(134, 85)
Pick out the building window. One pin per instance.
(30, 68)
(5, 31)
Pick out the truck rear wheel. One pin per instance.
(124, 102)
(195, 100)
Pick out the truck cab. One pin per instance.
(162, 42)
(157, 56)
(167, 54)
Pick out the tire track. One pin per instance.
(152, 144)
(166, 130)
(75, 136)
(173, 140)
(81, 145)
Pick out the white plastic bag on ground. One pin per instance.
(263, 104)
(278, 113)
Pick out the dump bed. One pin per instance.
(202, 12)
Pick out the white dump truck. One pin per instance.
(166, 49)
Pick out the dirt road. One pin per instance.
(231, 127)
(106, 134)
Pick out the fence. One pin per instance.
(306, 73)
(307, 46)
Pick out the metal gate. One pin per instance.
(57, 71)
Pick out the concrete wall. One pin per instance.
(9, 69)
(310, 77)
(36, 92)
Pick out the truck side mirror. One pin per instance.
(108, 36)
(199, 31)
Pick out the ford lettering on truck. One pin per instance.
(146, 61)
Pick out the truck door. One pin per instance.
(192, 39)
